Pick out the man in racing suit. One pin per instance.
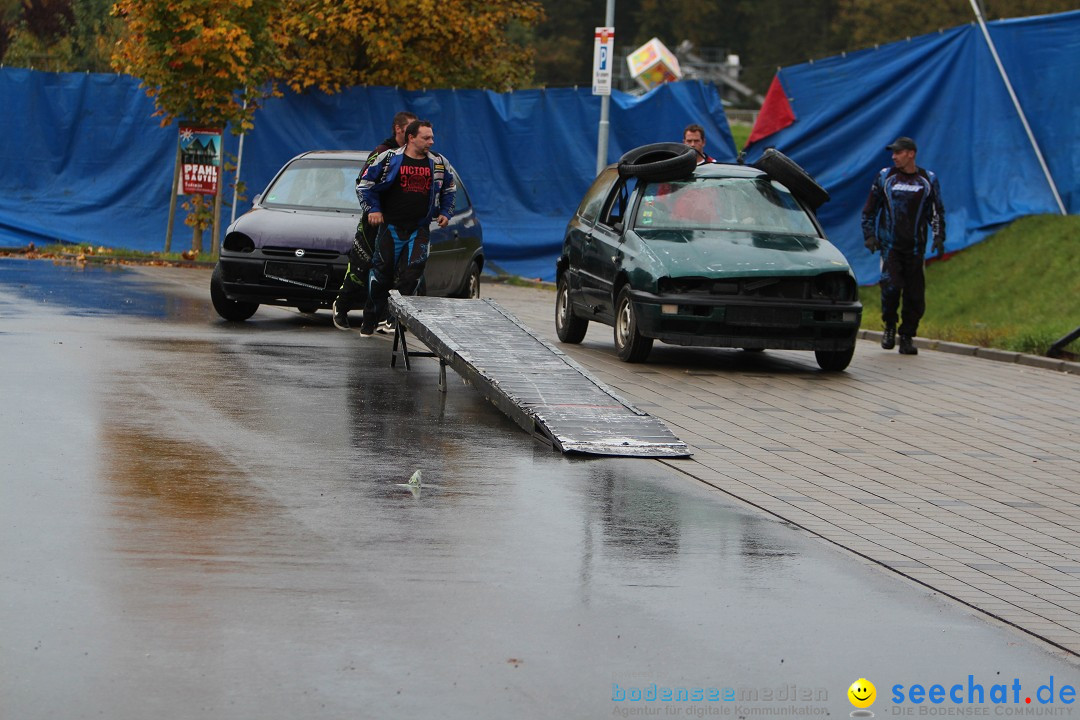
(400, 193)
(904, 202)
(354, 287)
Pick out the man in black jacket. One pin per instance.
(904, 208)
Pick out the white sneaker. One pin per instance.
(341, 320)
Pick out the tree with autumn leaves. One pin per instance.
(214, 62)
(415, 45)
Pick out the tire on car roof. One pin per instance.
(786, 171)
(658, 162)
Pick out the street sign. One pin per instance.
(603, 57)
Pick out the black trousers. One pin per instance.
(354, 288)
(399, 261)
(902, 280)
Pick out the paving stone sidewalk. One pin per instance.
(961, 473)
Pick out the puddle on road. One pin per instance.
(94, 290)
(180, 504)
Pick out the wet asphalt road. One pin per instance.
(207, 520)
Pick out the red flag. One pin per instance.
(776, 113)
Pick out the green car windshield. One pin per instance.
(316, 185)
(743, 204)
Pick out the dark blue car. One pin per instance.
(292, 247)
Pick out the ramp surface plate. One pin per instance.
(532, 381)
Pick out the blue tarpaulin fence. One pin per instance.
(945, 91)
(82, 160)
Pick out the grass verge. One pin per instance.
(740, 132)
(1017, 290)
(103, 255)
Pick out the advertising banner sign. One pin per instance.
(200, 158)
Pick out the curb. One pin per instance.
(1006, 356)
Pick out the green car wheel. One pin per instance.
(569, 327)
(834, 360)
(631, 345)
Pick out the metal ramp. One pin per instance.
(534, 383)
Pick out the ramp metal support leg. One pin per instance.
(399, 337)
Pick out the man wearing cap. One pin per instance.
(904, 203)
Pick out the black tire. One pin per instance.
(631, 345)
(471, 287)
(231, 310)
(658, 162)
(308, 308)
(786, 171)
(834, 360)
(569, 327)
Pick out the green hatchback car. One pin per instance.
(720, 256)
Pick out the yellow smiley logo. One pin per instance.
(862, 693)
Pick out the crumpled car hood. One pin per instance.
(729, 253)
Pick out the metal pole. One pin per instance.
(605, 104)
(172, 200)
(601, 142)
(1016, 104)
(236, 177)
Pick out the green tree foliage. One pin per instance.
(57, 35)
(869, 22)
(564, 42)
(330, 44)
(705, 24)
(765, 34)
(9, 20)
(780, 33)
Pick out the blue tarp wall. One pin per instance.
(82, 160)
(945, 91)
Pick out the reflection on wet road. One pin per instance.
(85, 290)
(206, 520)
